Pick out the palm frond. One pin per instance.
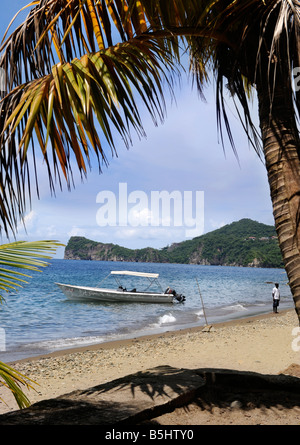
(16, 259)
(62, 30)
(73, 71)
(75, 68)
(76, 109)
(267, 36)
(19, 257)
(15, 382)
(68, 90)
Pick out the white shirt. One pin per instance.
(276, 293)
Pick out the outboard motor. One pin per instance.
(180, 298)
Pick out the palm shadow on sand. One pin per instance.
(141, 397)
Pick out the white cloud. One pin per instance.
(158, 236)
(139, 217)
(50, 231)
(30, 217)
(28, 224)
(77, 231)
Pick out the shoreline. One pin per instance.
(260, 343)
(112, 344)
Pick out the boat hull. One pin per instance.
(109, 295)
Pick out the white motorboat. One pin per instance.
(121, 294)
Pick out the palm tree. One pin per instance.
(74, 68)
(263, 55)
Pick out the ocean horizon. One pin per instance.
(39, 319)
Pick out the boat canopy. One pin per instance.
(135, 274)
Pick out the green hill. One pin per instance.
(241, 243)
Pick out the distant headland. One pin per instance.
(241, 243)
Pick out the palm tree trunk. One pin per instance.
(281, 147)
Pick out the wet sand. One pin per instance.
(265, 344)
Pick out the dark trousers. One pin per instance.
(275, 305)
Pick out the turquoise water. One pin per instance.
(39, 319)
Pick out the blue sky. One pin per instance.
(182, 154)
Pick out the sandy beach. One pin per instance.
(265, 344)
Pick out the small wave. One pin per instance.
(164, 320)
(235, 307)
(63, 343)
(199, 314)
(167, 318)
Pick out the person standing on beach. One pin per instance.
(276, 298)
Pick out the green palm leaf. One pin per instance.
(15, 381)
(19, 257)
(16, 259)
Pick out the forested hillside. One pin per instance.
(241, 243)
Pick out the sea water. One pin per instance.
(39, 319)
